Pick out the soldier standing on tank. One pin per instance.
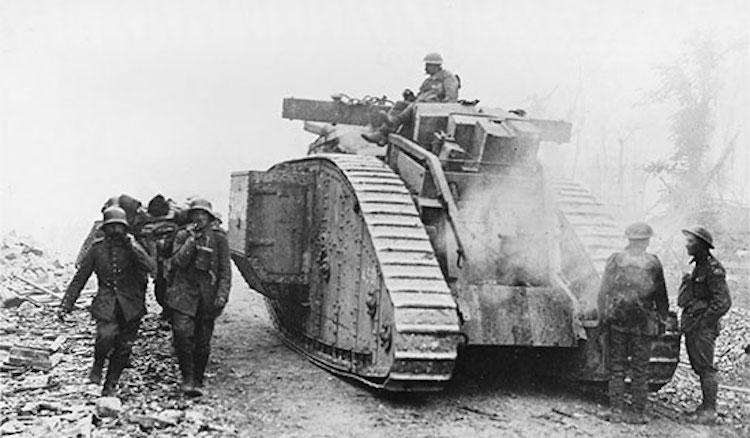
(199, 291)
(441, 86)
(632, 288)
(121, 266)
(704, 299)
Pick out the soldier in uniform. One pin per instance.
(199, 291)
(704, 299)
(158, 233)
(632, 288)
(121, 267)
(441, 86)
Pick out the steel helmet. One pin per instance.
(201, 204)
(700, 233)
(639, 230)
(433, 58)
(115, 215)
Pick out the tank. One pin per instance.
(384, 263)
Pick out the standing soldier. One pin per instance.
(632, 288)
(199, 291)
(121, 267)
(704, 298)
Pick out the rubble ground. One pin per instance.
(258, 387)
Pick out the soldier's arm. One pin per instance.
(450, 88)
(685, 292)
(720, 301)
(144, 261)
(605, 286)
(660, 294)
(224, 268)
(184, 249)
(85, 268)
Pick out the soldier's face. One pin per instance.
(200, 218)
(431, 68)
(114, 230)
(692, 244)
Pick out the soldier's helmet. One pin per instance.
(201, 204)
(433, 58)
(701, 233)
(639, 230)
(115, 215)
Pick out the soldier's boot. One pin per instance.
(95, 374)
(378, 136)
(616, 409)
(201, 360)
(187, 386)
(637, 415)
(640, 401)
(114, 370)
(710, 388)
(696, 411)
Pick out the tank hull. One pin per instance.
(381, 263)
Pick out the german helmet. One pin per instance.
(639, 230)
(115, 215)
(433, 58)
(201, 204)
(700, 233)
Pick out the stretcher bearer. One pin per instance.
(122, 267)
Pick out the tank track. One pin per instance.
(427, 332)
(597, 231)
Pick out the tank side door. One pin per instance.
(269, 220)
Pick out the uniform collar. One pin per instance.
(700, 259)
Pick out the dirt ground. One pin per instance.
(260, 387)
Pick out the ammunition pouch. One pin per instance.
(203, 255)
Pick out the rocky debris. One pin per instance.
(44, 363)
(108, 407)
(33, 276)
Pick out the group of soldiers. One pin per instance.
(632, 286)
(186, 253)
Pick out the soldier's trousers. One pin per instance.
(114, 339)
(700, 345)
(192, 342)
(621, 345)
(160, 292)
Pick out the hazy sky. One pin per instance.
(100, 97)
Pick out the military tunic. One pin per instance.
(121, 270)
(441, 86)
(194, 290)
(704, 298)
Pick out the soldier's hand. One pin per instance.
(220, 302)
(61, 315)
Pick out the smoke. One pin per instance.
(507, 229)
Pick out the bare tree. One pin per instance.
(692, 83)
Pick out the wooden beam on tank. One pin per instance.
(330, 111)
